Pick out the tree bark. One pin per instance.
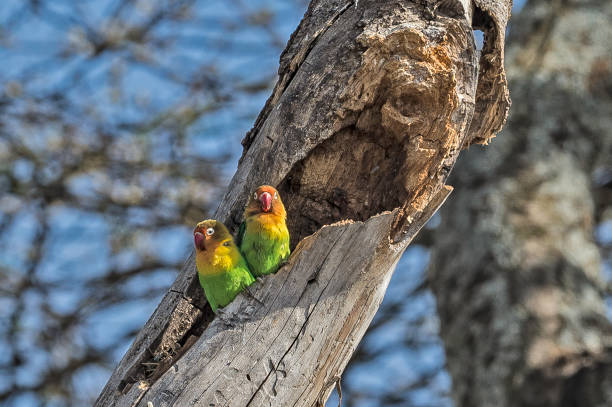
(373, 103)
(516, 272)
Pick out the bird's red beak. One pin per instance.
(266, 201)
(198, 241)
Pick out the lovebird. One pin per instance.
(263, 236)
(222, 270)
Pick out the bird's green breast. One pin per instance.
(222, 286)
(265, 244)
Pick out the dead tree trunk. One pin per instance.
(373, 103)
(516, 272)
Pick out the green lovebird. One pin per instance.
(263, 236)
(222, 270)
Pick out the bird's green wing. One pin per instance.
(241, 231)
(245, 266)
(207, 292)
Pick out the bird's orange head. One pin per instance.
(265, 200)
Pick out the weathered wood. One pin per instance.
(373, 103)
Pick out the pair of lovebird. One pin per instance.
(225, 267)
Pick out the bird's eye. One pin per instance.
(226, 243)
(276, 195)
(255, 195)
(210, 231)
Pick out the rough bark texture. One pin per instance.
(373, 103)
(516, 272)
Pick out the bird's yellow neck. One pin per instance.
(268, 223)
(216, 261)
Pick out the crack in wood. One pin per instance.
(303, 327)
(293, 67)
(252, 335)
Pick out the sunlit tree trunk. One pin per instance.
(373, 103)
(516, 271)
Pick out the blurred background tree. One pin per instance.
(120, 124)
(522, 255)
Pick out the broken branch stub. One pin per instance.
(373, 103)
